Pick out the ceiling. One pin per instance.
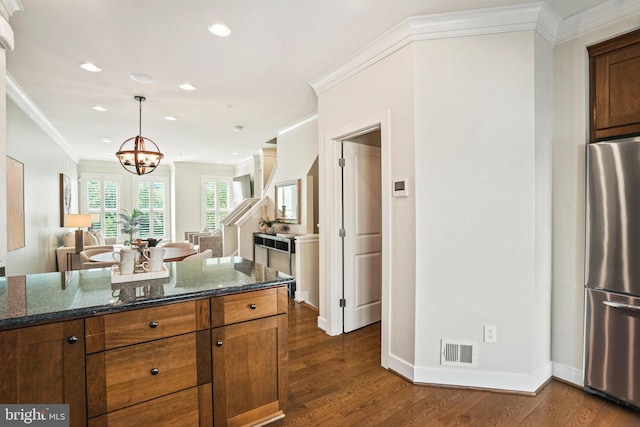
(257, 77)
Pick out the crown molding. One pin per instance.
(531, 16)
(596, 17)
(26, 104)
(9, 7)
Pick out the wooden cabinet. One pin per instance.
(45, 364)
(250, 354)
(220, 360)
(614, 86)
(145, 365)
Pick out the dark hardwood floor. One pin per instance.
(338, 381)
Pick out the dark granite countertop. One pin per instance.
(41, 298)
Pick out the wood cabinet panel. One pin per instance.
(247, 368)
(615, 87)
(142, 372)
(42, 364)
(178, 409)
(132, 327)
(242, 307)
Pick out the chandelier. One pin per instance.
(139, 155)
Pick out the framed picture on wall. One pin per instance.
(65, 197)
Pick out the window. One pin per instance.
(217, 201)
(102, 198)
(151, 200)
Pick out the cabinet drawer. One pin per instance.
(129, 375)
(178, 409)
(133, 327)
(236, 308)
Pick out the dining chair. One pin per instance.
(86, 263)
(185, 245)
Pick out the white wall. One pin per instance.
(481, 170)
(43, 161)
(570, 134)
(188, 215)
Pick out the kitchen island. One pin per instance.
(205, 346)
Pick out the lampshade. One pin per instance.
(77, 220)
(139, 155)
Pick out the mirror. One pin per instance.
(288, 202)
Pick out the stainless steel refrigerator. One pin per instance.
(612, 281)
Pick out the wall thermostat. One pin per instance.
(400, 188)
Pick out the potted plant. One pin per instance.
(130, 223)
(266, 224)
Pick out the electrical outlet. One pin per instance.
(490, 333)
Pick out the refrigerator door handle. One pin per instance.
(621, 305)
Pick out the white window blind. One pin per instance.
(102, 198)
(151, 200)
(217, 201)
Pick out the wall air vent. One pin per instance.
(459, 353)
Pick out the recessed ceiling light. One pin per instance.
(90, 67)
(98, 108)
(105, 139)
(220, 30)
(171, 118)
(238, 128)
(235, 154)
(142, 78)
(187, 86)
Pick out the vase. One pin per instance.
(270, 230)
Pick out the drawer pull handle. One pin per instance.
(72, 339)
(218, 343)
(153, 325)
(253, 306)
(155, 371)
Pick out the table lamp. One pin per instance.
(80, 221)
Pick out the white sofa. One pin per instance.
(67, 252)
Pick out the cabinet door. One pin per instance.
(45, 364)
(249, 371)
(615, 87)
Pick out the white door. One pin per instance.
(362, 221)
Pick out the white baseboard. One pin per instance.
(322, 323)
(401, 367)
(485, 379)
(568, 374)
(301, 296)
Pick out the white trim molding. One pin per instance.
(531, 16)
(9, 7)
(524, 383)
(26, 104)
(568, 374)
(596, 17)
